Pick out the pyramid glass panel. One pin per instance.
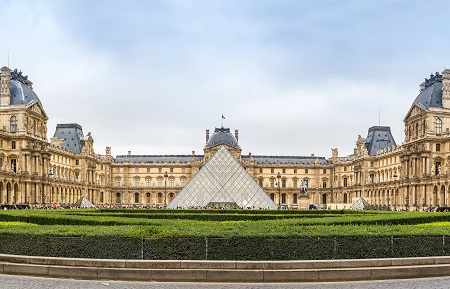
(222, 182)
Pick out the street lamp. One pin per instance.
(279, 189)
(50, 176)
(395, 191)
(165, 188)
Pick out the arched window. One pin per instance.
(136, 197)
(438, 126)
(283, 198)
(261, 180)
(13, 123)
(272, 197)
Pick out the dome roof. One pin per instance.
(222, 136)
(21, 93)
(431, 94)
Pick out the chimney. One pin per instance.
(5, 77)
(446, 88)
(207, 136)
(236, 134)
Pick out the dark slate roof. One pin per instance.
(379, 138)
(156, 158)
(21, 93)
(72, 134)
(286, 159)
(431, 96)
(222, 136)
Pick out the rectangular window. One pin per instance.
(294, 183)
(260, 170)
(284, 171)
(371, 164)
(438, 147)
(171, 181)
(324, 171)
(372, 178)
(345, 169)
(77, 162)
(306, 171)
(117, 182)
(324, 184)
(272, 183)
(159, 170)
(171, 170)
(159, 183)
(438, 168)
(147, 181)
(261, 182)
(345, 182)
(136, 183)
(283, 183)
(183, 182)
(118, 170)
(295, 171)
(13, 165)
(271, 171)
(148, 170)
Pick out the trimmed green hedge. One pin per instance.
(223, 235)
(238, 248)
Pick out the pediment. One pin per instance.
(36, 108)
(413, 111)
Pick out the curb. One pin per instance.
(226, 271)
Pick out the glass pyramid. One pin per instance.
(361, 204)
(84, 203)
(222, 182)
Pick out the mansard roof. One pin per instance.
(156, 158)
(431, 95)
(379, 138)
(72, 134)
(261, 159)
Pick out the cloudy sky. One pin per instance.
(295, 77)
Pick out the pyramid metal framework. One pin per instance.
(222, 182)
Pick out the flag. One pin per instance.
(223, 117)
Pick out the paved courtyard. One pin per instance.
(22, 282)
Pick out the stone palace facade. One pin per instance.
(35, 171)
